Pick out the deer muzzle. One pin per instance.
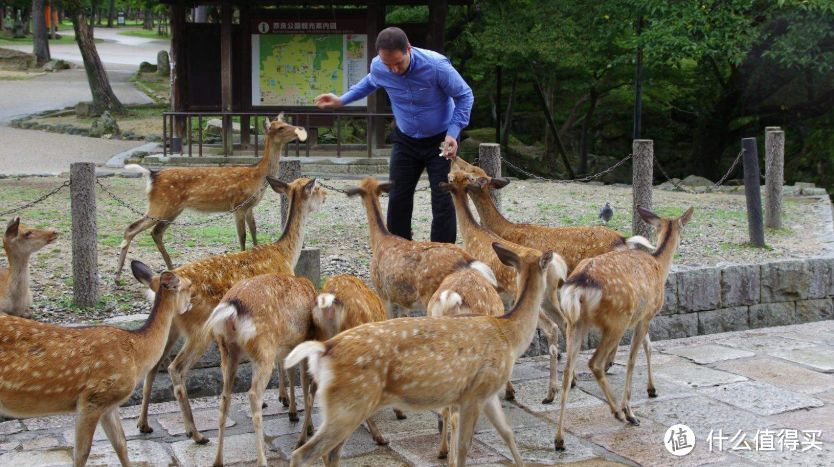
(301, 133)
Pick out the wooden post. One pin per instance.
(287, 172)
(642, 174)
(226, 11)
(438, 11)
(752, 190)
(84, 252)
(774, 177)
(489, 159)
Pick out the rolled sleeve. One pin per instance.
(455, 87)
(359, 90)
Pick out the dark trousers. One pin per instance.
(409, 157)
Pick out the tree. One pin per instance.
(40, 34)
(103, 96)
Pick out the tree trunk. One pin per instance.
(549, 117)
(586, 130)
(508, 115)
(103, 96)
(40, 40)
(111, 14)
(26, 15)
(148, 24)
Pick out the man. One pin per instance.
(431, 104)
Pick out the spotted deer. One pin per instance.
(213, 277)
(209, 189)
(90, 371)
(264, 318)
(614, 292)
(19, 243)
(424, 364)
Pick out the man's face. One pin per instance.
(395, 60)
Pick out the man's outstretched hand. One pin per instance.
(450, 147)
(327, 101)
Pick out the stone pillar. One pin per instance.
(774, 177)
(84, 248)
(642, 174)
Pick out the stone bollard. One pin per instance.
(163, 63)
(642, 164)
(309, 266)
(489, 159)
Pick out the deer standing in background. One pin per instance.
(47, 369)
(423, 364)
(213, 277)
(209, 189)
(614, 292)
(19, 243)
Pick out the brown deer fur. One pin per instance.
(404, 272)
(47, 369)
(210, 189)
(344, 303)
(263, 317)
(478, 241)
(423, 364)
(215, 275)
(19, 243)
(614, 292)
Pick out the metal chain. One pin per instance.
(339, 190)
(41, 199)
(575, 180)
(205, 221)
(714, 185)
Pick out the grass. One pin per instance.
(147, 34)
(65, 39)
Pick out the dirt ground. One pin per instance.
(717, 234)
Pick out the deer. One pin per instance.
(47, 369)
(19, 243)
(574, 244)
(212, 278)
(424, 363)
(263, 317)
(209, 189)
(616, 291)
(344, 302)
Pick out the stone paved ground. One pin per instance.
(757, 387)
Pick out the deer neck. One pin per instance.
(156, 328)
(491, 217)
(292, 238)
(519, 324)
(271, 162)
(18, 293)
(665, 252)
(376, 225)
(469, 227)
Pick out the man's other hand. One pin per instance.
(450, 147)
(327, 101)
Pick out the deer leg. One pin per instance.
(574, 335)
(293, 412)
(332, 457)
(260, 379)
(240, 224)
(185, 359)
(647, 348)
(115, 433)
(495, 414)
(335, 429)
(468, 413)
(443, 451)
(250, 221)
(509, 392)
(399, 414)
(375, 433)
(132, 231)
(610, 338)
(147, 387)
(85, 427)
(551, 333)
(307, 428)
(282, 386)
(157, 233)
(636, 341)
(229, 360)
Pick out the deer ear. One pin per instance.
(385, 187)
(267, 124)
(481, 182)
(141, 272)
(649, 217)
(445, 187)
(12, 227)
(310, 186)
(169, 281)
(506, 255)
(279, 186)
(544, 261)
(499, 182)
(686, 216)
(280, 117)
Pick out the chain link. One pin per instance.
(37, 201)
(340, 190)
(691, 191)
(205, 221)
(575, 180)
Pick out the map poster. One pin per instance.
(290, 69)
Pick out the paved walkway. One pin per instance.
(769, 393)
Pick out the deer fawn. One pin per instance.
(209, 189)
(47, 369)
(424, 363)
(614, 292)
(20, 242)
(264, 317)
(213, 276)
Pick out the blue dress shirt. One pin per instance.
(429, 98)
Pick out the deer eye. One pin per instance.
(27, 234)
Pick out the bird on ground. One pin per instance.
(606, 213)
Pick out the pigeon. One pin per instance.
(606, 213)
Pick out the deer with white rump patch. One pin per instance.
(263, 317)
(47, 369)
(614, 292)
(213, 277)
(210, 189)
(423, 364)
(19, 243)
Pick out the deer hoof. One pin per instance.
(652, 392)
(200, 439)
(633, 420)
(400, 415)
(144, 428)
(264, 405)
(509, 396)
(547, 400)
(293, 416)
(310, 430)
(381, 441)
(559, 444)
(285, 401)
(442, 455)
